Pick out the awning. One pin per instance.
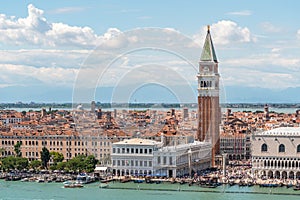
(100, 168)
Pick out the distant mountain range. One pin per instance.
(234, 94)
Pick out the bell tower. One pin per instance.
(209, 111)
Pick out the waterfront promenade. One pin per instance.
(235, 176)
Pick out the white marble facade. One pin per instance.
(276, 153)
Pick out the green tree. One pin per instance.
(61, 166)
(8, 163)
(77, 163)
(35, 164)
(21, 163)
(45, 157)
(11, 162)
(90, 163)
(2, 150)
(57, 157)
(18, 149)
(53, 167)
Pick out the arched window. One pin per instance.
(264, 148)
(298, 148)
(281, 148)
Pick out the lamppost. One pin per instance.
(224, 163)
(190, 161)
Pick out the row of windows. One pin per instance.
(279, 164)
(13, 142)
(11, 120)
(274, 158)
(164, 160)
(7, 153)
(57, 149)
(133, 163)
(57, 143)
(8, 142)
(63, 137)
(69, 155)
(205, 83)
(68, 143)
(231, 139)
(100, 143)
(132, 150)
(281, 148)
(36, 154)
(236, 143)
(241, 149)
(98, 150)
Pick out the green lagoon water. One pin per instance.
(143, 191)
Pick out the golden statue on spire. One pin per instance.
(208, 28)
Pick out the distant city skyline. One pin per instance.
(43, 46)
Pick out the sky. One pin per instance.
(51, 49)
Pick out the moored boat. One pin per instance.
(83, 178)
(125, 179)
(72, 185)
(208, 185)
(268, 185)
(297, 188)
(138, 181)
(103, 185)
(40, 180)
(24, 179)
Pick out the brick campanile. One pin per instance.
(209, 111)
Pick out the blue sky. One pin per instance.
(45, 43)
(181, 15)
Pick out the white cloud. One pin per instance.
(37, 31)
(58, 66)
(298, 34)
(276, 59)
(270, 28)
(28, 75)
(62, 34)
(6, 85)
(270, 70)
(226, 32)
(275, 50)
(44, 57)
(241, 13)
(253, 77)
(65, 10)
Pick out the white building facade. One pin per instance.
(276, 153)
(134, 157)
(182, 160)
(142, 157)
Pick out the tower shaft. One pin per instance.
(209, 112)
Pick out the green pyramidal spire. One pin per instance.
(208, 51)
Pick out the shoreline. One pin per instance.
(214, 180)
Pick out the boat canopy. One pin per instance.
(100, 168)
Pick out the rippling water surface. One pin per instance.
(143, 191)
